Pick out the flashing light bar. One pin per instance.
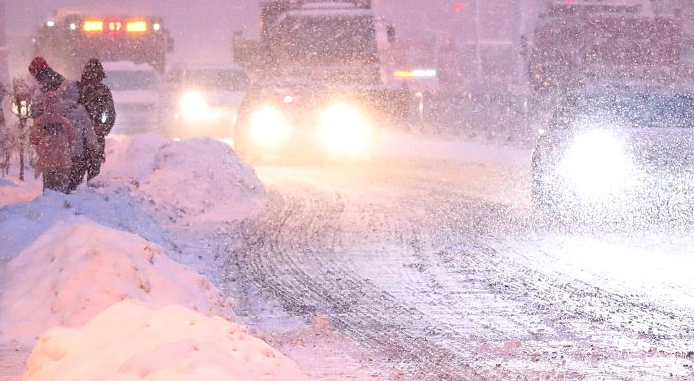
(116, 25)
(417, 73)
(93, 26)
(136, 26)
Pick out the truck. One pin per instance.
(603, 40)
(319, 81)
(133, 50)
(73, 36)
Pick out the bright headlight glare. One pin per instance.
(596, 164)
(193, 106)
(344, 129)
(269, 127)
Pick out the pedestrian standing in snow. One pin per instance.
(98, 100)
(83, 129)
(48, 81)
(53, 139)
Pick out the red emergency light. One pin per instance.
(115, 25)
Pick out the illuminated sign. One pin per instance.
(115, 26)
(93, 26)
(136, 26)
(417, 73)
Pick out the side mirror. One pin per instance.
(390, 31)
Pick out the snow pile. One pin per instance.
(77, 269)
(130, 341)
(131, 157)
(199, 180)
(13, 191)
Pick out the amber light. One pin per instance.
(93, 26)
(136, 26)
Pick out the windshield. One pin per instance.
(131, 80)
(639, 110)
(222, 80)
(327, 40)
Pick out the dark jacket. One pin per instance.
(49, 79)
(97, 98)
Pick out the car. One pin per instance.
(203, 100)
(617, 149)
(137, 90)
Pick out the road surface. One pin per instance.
(438, 267)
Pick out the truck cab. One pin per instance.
(320, 89)
(602, 39)
(73, 36)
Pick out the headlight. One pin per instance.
(269, 127)
(193, 106)
(596, 164)
(344, 129)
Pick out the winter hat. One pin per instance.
(38, 64)
(93, 71)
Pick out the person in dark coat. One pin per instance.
(96, 97)
(53, 138)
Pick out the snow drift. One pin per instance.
(129, 341)
(199, 180)
(78, 268)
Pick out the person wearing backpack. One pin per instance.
(53, 139)
(85, 137)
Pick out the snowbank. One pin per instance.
(78, 268)
(13, 191)
(198, 180)
(131, 157)
(130, 341)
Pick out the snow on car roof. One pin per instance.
(214, 66)
(327, 9)
(101, 10)
(126, 66)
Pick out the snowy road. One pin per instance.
(437, 268)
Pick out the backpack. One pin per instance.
(54, 141)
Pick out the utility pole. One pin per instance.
(4, 67)
(478, 37)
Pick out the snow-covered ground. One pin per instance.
(425, 264)
(91, 279)
(437, 261)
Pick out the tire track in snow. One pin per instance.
(296, 251)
